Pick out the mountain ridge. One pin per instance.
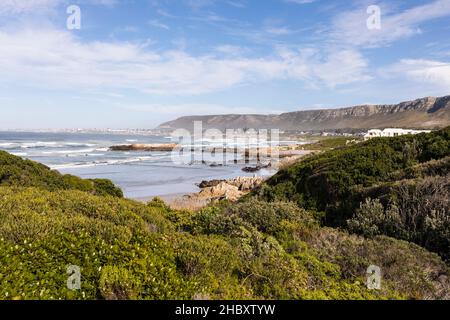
(425, 113)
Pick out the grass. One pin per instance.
(330, 143)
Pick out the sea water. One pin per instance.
(139, 174)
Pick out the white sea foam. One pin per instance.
(74, 151)
(71, 165)
(38, 144)
(79, 144)
(99, 163)
(54, 144)
(8, 145)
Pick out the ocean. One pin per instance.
(139, 174)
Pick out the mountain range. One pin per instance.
(424, 113)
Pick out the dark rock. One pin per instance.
(145, 147)
(257, 168)
(209, 184)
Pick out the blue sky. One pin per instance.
(137, 63)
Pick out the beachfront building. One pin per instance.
(391, 132)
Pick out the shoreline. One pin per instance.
(144, 175)
(166, 197)
(195, 200)
(178, 201)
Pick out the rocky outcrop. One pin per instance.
(231, 189)
(246, 183)
(145, 147)
(421, 113)
(221, 191)
(209, 183)
(256, 168)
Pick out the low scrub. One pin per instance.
(16, 172)
(255, 249)
(129, 250)
(386, 186)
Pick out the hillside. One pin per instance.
(421, 113)
(128, 250)
(16, 172)
(398, 187)
(255, 249)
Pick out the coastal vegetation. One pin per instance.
(393, 186)
(330, 143)
(310, 232)
(17, 172)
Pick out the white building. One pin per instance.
(391, 132)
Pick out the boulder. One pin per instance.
(221, 191)
(210, 183)
(257, 168)
(145, 147)
(246, 183)
(242, 183)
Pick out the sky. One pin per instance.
(137, 63)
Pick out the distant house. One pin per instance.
(391, 132)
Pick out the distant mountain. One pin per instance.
(423, 113)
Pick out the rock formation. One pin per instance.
(231, 189)
(425, 113)
(145, 147)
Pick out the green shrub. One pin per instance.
(249, 250)
(325, 181)
(406, 176)
(415, 210)
(267, 217)
(15, 171)
(406, 268)
(373, 219)
(118, 284)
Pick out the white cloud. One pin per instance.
(342, 67)
(332, 68)
(26, 6)
(279, 31)
(17, 7)
(231, 50)
(174, 110)
(237, 4)
(108, 3)
(158, 24)
(432, 72)
(300, 1)
(351, 27)
(196, 4)
(53, 58)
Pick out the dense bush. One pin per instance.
(43, 232)
(128, 250)
(331, 263)
(415, 210)
(325, 181)
(372, 219)
(406, 176)
(118, 284)
(15, 171)
(406, 268)
(249, 250)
